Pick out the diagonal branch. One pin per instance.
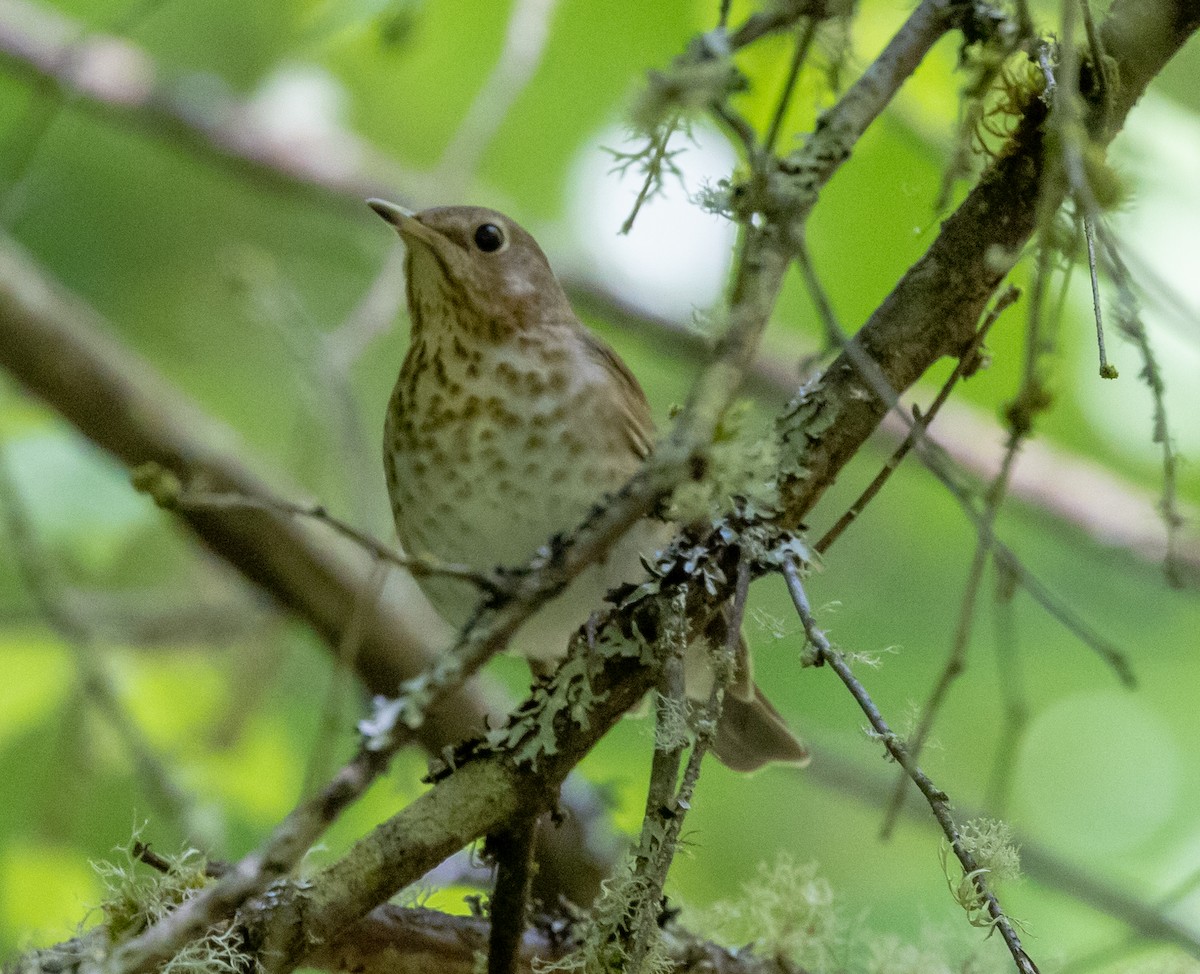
(939, 802)
(934, 308)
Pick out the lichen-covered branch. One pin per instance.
(397, 940)
(934, 308)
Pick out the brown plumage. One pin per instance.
(508, 422)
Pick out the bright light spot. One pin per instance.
(299, 109)
(1160, 152)
(676, 258)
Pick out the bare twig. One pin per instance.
(804, 40)
(921, 421)
(1028, 402)
(1072, 131)
(777, 17)
(1106, 371)
(1010, 679)
(839, 129)
(938, 802)
(874, 380)
(723, 14)
(188, 499)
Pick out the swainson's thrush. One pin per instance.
(509, 421)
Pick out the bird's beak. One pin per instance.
(407, 224)
(394, 213)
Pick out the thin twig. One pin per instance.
(1012, 692)
(845, 122)
(935, 460)
(803, 43)
(776, 18)
(284, 848)
(968, 360)
(1027, 404)
(723, 14)
(1099, 59)
(1130, 323)
(938, 801)
(1071, 135)
(1106, 371)
(188, 499)
(956, 659)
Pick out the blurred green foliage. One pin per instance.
(230, 286)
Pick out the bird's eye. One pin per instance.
(489, 237)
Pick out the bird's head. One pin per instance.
(475, 269)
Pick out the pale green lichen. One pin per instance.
(701, 76)
(804, 422)
(601, 935)
(990, 842)
(938, 950)
(531, 735)
(787, 911)
(741, 464)
(138, 896)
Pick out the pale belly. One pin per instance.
(490, 491)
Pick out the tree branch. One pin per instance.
(934, 308)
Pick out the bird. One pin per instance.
(509, 421)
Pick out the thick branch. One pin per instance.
(1078, 491)
(934, 308)
(395, 940)
(477, 798)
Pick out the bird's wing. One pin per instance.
(634, 409)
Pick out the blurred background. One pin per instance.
(218, 228)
